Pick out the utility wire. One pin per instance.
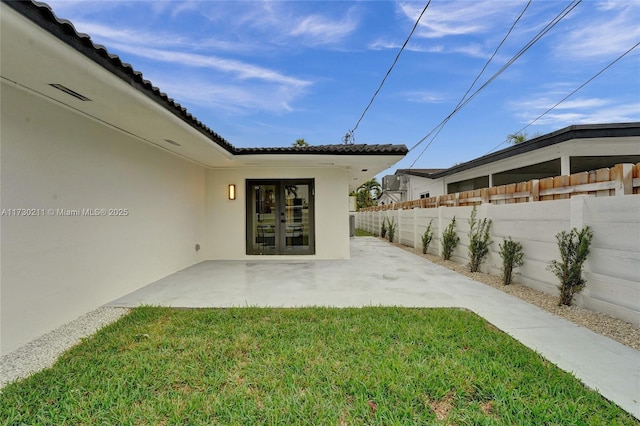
(541, 34)
(351, 132)
(569, 95)
(494, 53)
(446, 120)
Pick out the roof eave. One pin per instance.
(42, 15)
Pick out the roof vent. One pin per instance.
(68, 91)
(172, 142)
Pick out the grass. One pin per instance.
(246, 366)
(363, 233)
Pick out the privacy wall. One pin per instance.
(612, 270)
(89, 214)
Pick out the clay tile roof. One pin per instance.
(356, 149)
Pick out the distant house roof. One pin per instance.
(418, 172)
(42, 15)
(579, 131)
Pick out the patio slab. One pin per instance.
(379, 274)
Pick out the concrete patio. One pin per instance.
(381, 274)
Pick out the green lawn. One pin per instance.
(323, 366)
(363, 233)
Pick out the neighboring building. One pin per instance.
(406, 184)
(108, 184)
(567, 151)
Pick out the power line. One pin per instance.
(446, 120)
(542, 32)
(569, 95)
(351, 132)
(494, 53)
(534, 40)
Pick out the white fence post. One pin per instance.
(440, 229)
(577, 211)
(577, 221)
(415, 228)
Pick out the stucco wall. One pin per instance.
(226, 230)
(56, 268)
(420, 185)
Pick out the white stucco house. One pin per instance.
(108, 185)
(570, 150)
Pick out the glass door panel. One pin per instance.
(263, 219)
(296, 216)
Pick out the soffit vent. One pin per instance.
(70, 92)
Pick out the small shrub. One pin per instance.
(478, 240)
(512, 256)
(427, 237)
(391, 230)
(574, 248)
(450, 240)
(383, 228)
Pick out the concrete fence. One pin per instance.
(612, 269)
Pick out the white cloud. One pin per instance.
(183, 6)
(619, 114)
(578, 111)
(231, 98)
(606, 32)
(411, 46)
(322, 30)
(543, 104)
(458, 18)
(136, 37)
(286, 23)
(424, 97)
(62, 8)
(142, 45)
(583, 104)
(615, 114)
(129, 36)
(468, 28)
(239, 69)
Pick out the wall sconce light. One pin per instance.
(232, 192)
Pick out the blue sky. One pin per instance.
(268, 73)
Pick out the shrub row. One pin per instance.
(573, 246)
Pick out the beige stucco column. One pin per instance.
(565, 165)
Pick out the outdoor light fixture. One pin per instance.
(232, 192)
